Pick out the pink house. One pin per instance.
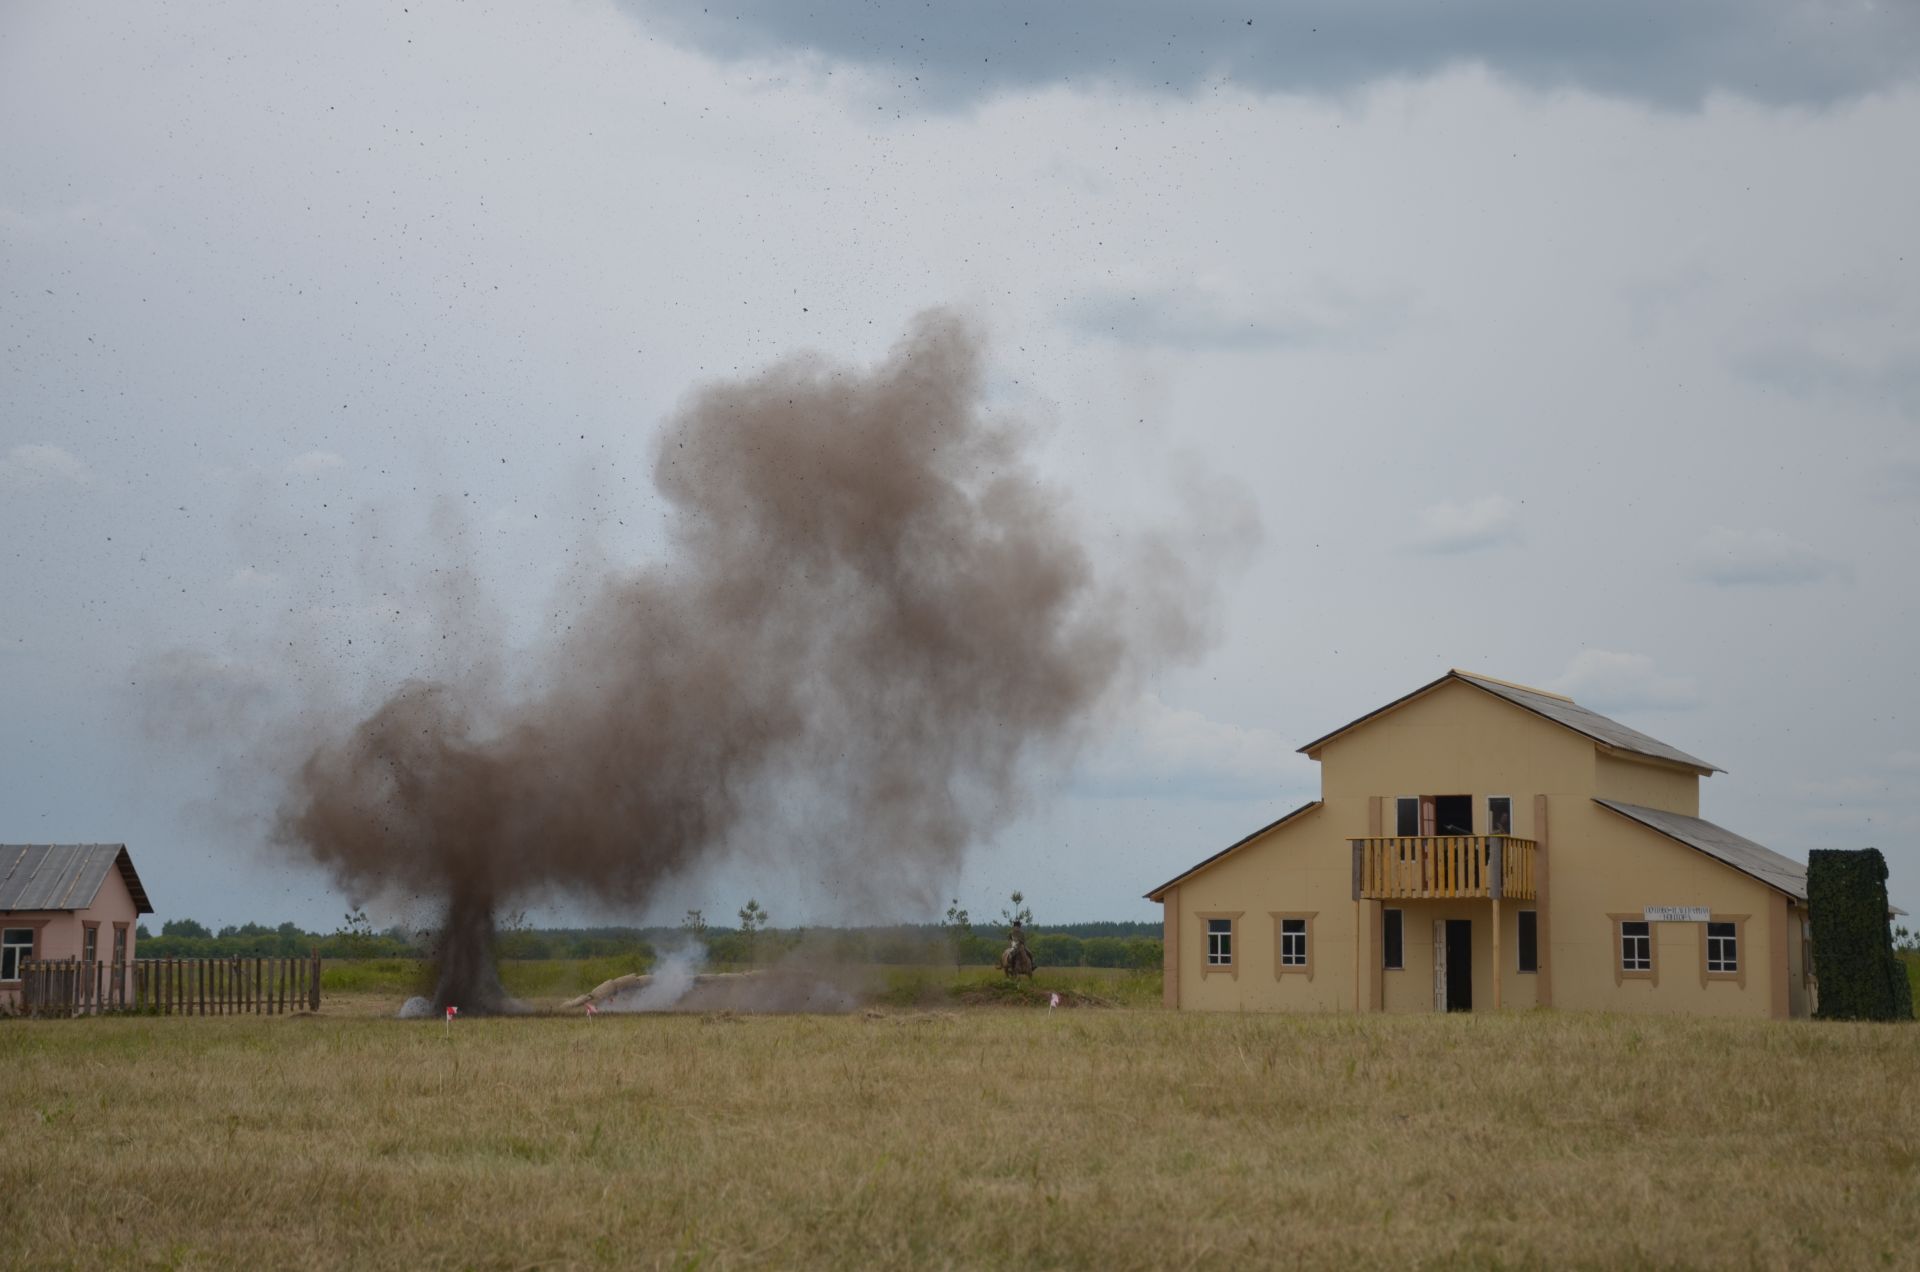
(65, 901)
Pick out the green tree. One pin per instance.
(694, 925)
(1104, 951)
(959, 929)
(1056, 950)
(1144, 954)
(185, 927)
(1017, 912)
(753, 919)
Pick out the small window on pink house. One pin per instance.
(16, 947)
(92, 948)
(119, 944)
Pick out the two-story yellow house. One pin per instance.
(1481, 844)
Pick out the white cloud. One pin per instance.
(1606, 680)
(1214, 314)
(315, 461)
(1176, 751)
(1470, 526)
(1760, 558)
(33, 466)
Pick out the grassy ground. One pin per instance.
(544, 982)
(1125, 1138)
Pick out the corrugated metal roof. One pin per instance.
(1552, 706)
(1749, 858)
(63, 876)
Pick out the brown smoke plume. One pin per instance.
(874, 625)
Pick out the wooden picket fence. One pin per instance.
(172, 986)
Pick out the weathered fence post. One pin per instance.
(313, 990)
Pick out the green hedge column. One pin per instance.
(1859, 976)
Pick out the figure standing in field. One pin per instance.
(1016, 960)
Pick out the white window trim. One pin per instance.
(26, 950)
(1489, 814)
(1207, 966)
(1740, 952)
(1280, 919)
(1621, 972)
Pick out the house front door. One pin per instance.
(1459, 962)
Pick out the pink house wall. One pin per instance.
(62, 933)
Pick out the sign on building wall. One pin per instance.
(1679, 913)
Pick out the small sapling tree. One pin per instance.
(753, 918)
(959, 929)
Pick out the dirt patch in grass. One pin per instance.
(1022, 993)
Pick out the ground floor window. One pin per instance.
(1393, 940)
(1723, 948)
(1529, 940)
(16, 947)
(1636, 946)
(1220, 942)
(90, 946)
(1293, 942)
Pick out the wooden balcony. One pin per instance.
(1420, 867)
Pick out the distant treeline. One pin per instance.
(1066, 945)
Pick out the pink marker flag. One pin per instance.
(1053, 1000)
(592, 1010)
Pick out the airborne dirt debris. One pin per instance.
(875, 634)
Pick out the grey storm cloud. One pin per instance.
(1668, 52)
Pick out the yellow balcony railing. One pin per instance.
(1415, 867)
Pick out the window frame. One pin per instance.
(1402, 804)
(1621, 973)
(122, 937)
(1509, 800)
(1400, 916)
(27, 954)
(1521, 941)
(1232, 919)
(1280, 919)
(1738, 976)
(89, 942)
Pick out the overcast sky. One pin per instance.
(1573, 344)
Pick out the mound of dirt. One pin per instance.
(1016, 993)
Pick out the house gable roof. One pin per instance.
(1159, 893)
(64, 876)
(1756, 860)
(1558, 708)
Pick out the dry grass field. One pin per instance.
(1116, 1138)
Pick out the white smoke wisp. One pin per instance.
(415, 1008)
(672, 977)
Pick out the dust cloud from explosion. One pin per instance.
(873, 625)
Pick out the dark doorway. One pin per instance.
(1453, 814)
(1459, 964)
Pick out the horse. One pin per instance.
(1016, 960)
